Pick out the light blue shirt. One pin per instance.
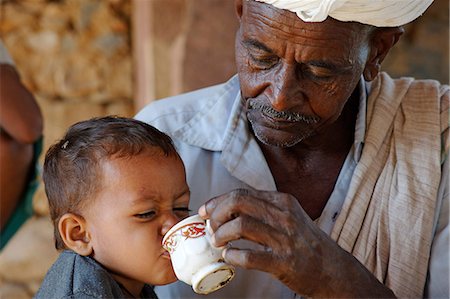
(5, 58)
(209, 129)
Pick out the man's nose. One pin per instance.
(286, 89)
(169, 220)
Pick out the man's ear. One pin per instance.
(239, 7)
(73, 231)
(381, 41)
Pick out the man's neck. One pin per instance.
(309, 170)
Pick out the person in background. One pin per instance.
(329, 177)
(21, 126)
(115, 186)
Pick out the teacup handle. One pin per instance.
(209, 233)
(209, 230)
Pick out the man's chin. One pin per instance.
(281, 139)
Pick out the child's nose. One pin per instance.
(169, 220)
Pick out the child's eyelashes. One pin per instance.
(146, 215)
(179, 211)
(185, 209)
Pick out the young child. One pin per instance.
(115, 186)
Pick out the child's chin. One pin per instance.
(171, 276)
(168, 278)
(172, 279)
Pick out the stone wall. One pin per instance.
(76, 57)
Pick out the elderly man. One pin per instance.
(329, 178)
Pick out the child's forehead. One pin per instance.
(146, 161)
(148, 176)
(149, 152)
(140, 182)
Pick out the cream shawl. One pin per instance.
(387, 218)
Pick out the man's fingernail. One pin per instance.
(224, 252)
(202, 211)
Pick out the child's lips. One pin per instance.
(166, 254)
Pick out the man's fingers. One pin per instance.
(202, 212)
(205, 210)
(247, 227)
(241, 202)
(251, 259)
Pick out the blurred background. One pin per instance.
(85, 58)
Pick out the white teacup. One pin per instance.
(194, 259)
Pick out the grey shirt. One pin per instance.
(75, 276)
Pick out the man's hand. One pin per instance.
(294, 249)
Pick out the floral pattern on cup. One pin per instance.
(191, 230)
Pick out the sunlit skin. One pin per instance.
(298, 85)
(140, 199)
(306, 70)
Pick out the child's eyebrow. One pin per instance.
(143, 199)
(155, 198)
(184, 192)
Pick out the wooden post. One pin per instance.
(143, 53)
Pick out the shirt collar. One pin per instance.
(221, 125)
(241, 154)
(208, 127)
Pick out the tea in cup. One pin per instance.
(194, 259)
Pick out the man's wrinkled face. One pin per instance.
(295, 77)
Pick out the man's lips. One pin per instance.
(280, 117)
(279, 121)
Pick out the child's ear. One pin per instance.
(73, 231)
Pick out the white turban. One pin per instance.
(380, 13)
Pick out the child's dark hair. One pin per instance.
(71, 167)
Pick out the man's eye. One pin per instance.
(263, 61)
(318, 73)
(146, 215)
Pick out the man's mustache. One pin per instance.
(283, 115)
